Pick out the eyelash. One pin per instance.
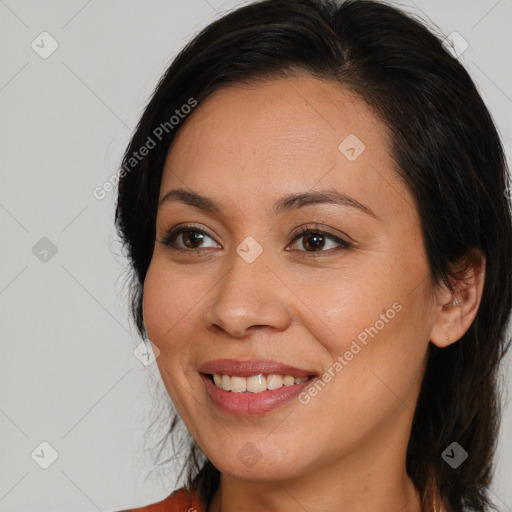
(175, 232)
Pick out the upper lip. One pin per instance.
(247, 368)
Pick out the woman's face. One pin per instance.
(242, 292)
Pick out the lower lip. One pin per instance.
(252, 404)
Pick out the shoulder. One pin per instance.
(180, 500)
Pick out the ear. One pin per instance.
(457, 309)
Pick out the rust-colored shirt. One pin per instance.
(179, 501)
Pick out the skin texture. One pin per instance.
(246, 146)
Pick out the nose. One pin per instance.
(249, 297)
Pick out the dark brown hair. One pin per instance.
(448, 153)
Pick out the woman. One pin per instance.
(320, 240)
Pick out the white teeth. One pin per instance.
(255, 383)
(288, 380)
(238, 384)
(274, 381)
(226, 383)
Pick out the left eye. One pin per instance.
(319, 241)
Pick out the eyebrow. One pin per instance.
(285, 204)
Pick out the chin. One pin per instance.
(263, 463)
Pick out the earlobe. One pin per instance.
(458, 309)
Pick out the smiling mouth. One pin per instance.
(255, 383)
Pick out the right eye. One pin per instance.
(190, 237)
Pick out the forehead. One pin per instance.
(269, 138)
(292, 113)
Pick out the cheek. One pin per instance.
(170, 304)
(347, 304)
(373, 321)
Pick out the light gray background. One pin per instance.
(68, 374)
